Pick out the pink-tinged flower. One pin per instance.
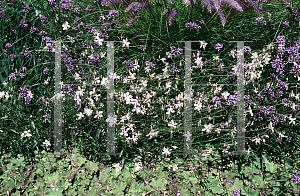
(286, 23)
(166, 151)
(218, 46)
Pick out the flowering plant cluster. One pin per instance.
(149, 92)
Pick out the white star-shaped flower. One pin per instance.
(188, 136)
(66, 25)
(80, 115)
(47, 143)
(2, 94)
(225, 95)
(271, 127)
(98, 114)
(203, 44)
(166, 151)
(257, 140)
(172, 124)
(281, 135)
(125, 43)
(199, 62)
(88, 111)
(292, 120)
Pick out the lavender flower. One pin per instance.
(286, 101)
(150, 63)
(23, 91)
(101, 18)
(8, 45)
(175, 51)
(142, 47)
(43, 32)
(274, 119)
(218, 46)
(278, 141)
(106, 25)
(286, 23)
(112, 14)
(235, 192)
(27, 54)
(45, 71)
(27, 99)
(32, 29)
(26, 9)
(65, 7)
(77, 10)
(44, 19)
(22, 23)
(192, 25)
(128, 63)
(12, 77)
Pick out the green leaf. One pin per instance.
(238, 184)
(271, 167)
(217, 189)
(193, 180)
(157, 183)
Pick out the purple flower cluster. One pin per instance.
(274, 119)
(24, 94)
(278, 64)
(192, 25)
(77, 10)
(8, 45)
(26, 9)
(27, 54)
(101, 18)
(12, 77)
(88, 27)
(295, 178)
(231, 100)
(150, 63)
(269, 91)
(218, 46)
(175, 51)
(282, 85)
(266, 110)
(128, 63)
(43, 32)
(22, 23)
(94, 60)
(65, 7)
(44, 19)
(106, 25)
(45, 70)
(32, 29)
(174, 69)
(235, 192)
(143, 48)
(112, 14)
(68, 62)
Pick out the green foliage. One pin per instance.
(71, 176)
